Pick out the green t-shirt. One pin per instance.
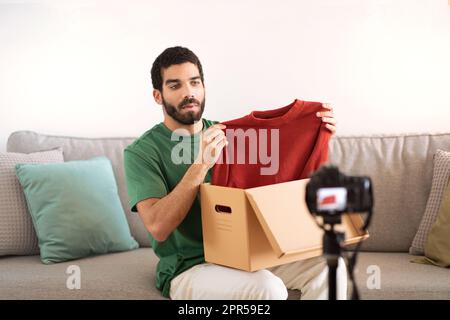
(154, 165)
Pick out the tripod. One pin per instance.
(332, 251)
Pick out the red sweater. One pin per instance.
(301, 138)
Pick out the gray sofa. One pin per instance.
(401, 171)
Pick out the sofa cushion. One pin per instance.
(82, 149)
(399, 166)
(399, 278)
(131, 275)
(17, 234)
(124, 275)
(75, 209)
(437, 246)
(441, 173)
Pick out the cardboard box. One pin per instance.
(257, 228)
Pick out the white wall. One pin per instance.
(82, 67)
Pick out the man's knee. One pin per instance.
(270, 287)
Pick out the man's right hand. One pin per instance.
(213, 140)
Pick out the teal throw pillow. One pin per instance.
(75, 208)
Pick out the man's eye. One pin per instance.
(173, 87)
(195, 83)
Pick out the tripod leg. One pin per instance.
(332, 267)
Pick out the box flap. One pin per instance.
(284, 216)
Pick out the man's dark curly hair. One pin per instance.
(171, 56)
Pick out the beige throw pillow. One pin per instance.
(17, 235)
(437, 247)
(441, 172)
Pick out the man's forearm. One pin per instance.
(170, 211)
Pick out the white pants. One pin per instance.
(215, 282)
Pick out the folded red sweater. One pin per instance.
(273, 146)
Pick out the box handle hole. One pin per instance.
(222, 209)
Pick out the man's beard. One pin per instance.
(185, 117)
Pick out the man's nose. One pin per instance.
(189, 92)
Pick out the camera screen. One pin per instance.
(331, 199)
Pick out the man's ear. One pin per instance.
(157, 95)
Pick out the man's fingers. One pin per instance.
(325, 114)
(209, 136)
(329, 120)
(217, 126)
(212, 130)
(331, 127)
(327, 106)
(213, 149)
(328, 117)
(216, 141)
(222, 143)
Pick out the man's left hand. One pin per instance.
(328, 117)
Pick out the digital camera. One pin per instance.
(330, 192)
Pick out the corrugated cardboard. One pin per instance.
(257, 228)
